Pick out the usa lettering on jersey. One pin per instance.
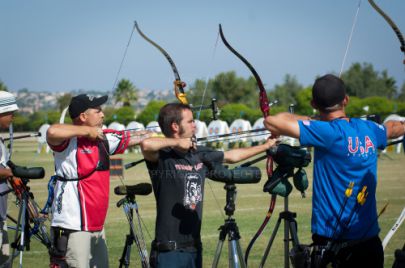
(360, 148)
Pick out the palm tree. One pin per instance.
(125, 92)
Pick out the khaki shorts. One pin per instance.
(87, 249)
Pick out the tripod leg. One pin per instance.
(15, 243)
(126, 253)
(240, 254)
(141, 241)
(222, 236)
(273, 236)
(235, 255)
(217, 254)
(19, 237)
(293, 232)
(300, 254)
(286, 243)
(136, 234)
(24, 242)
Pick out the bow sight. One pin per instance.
(213, 107)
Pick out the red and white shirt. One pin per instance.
(81, 202)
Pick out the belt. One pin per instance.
(336, 245)
(351, 243)
(173, 245)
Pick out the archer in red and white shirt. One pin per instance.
(82, 165)
(81, 194)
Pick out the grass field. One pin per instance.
(251, 206)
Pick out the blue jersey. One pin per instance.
(344, 152)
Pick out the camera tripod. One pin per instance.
(135, 233)
(299, 253)
(230, 229)
(28, 213)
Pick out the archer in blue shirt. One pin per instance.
(345, 157)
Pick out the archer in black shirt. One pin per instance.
(177, 168)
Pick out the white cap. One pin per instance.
(7, 102)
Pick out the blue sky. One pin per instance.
(67, 45)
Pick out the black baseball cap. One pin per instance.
(82, 102)
(327, 91)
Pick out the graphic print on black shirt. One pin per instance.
(178, 185)
(192, 191)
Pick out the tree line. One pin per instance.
(370, 91)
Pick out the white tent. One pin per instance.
(116, 126)
(133, 125)
(42, 139)
(201, 129)
(154, 126)
(261, 135)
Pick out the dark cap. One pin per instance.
(328, 91)
(82, 102)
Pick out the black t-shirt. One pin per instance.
(178, 184)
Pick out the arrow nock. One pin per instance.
(362, 196)
(349, 189)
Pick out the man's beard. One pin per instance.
(181, 131)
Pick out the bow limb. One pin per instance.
(391, 23)
(265, 108)
(63, 115)
(264, 102)
(178, 84)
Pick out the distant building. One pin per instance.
(33, 101)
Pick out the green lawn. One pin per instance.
(251, 206)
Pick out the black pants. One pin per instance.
(178, 258)
(368, 253)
